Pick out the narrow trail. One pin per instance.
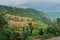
(38, 38)
(35, 37)
(54, 38)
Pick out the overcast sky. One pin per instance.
(19, 2)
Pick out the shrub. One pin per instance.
(41, 32)
(3, 21)
(5, 32)
(42, 39)
(49, 32)
(25, 33)
(53, 30)
(29, 38)
(35, 33)
(21, 34)
(46, 36)
(31, 28)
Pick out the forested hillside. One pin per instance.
(26, 24)
(28, 12)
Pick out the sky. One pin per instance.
(19, 2)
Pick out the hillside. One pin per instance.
(23, 21)
(28, 12)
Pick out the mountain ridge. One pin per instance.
(28, 12)
(47, 7)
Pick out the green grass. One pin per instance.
(35, 33)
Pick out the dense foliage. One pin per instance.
(58, 20)
(5, 32)
(50, 31)
(3, 22)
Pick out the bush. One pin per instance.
(21, 33)
(29, 38)
(5, 32)
(3, 21)
(41, 32)
(42, 39)
(35, 33)
(57, 32)
(46, 36)
(49, 32)
(53, 30)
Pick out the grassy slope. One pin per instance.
(18, 22)
(38, 15)
(23, 21)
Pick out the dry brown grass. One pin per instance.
(23, 21)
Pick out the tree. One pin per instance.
(58, 20)
(3, 21)
(5, 32)
(53, 30)
(41, 31)
(31, 28)
(25, 33)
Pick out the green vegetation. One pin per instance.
(58, 20)
(5, 32)
(22, 24)
(28, 12)
(31, 28)
(50, 31)
(46, 36)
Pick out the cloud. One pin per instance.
(15, 2)
(11, 2)
(50, 1)
(19, 2)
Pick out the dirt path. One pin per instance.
(54, 38)
(38, 38)
(35, 37)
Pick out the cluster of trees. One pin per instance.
(58, 22)
(51, 30)
(7, 33)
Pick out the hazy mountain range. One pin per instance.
(52, 9)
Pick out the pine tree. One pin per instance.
(31, 28)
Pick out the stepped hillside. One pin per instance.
(28, 12)
(23, 21)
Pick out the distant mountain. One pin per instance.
(28, 12)
(52, 9)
